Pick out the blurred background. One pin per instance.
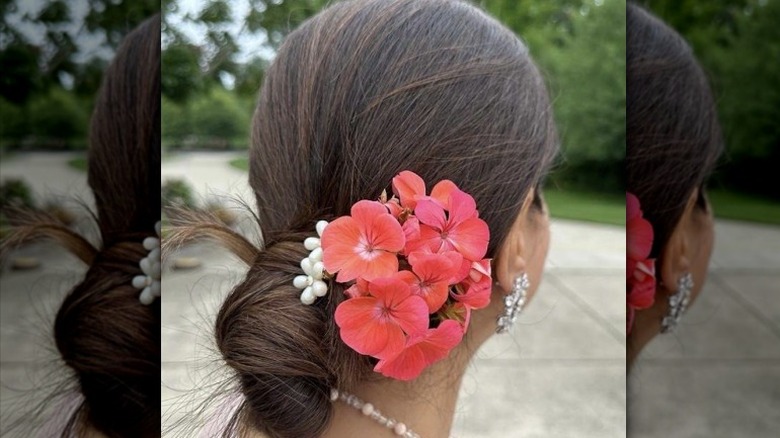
(52, 57)
(737, 42)
(53, 54)
(719, 374)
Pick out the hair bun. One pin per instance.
(283, 351)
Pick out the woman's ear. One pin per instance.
(689, 247)
(509, 261)
(675, 255)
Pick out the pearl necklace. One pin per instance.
(369, 411)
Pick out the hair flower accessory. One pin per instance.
(312, 281)
(640, 269)
(413, 269)
(149, 283)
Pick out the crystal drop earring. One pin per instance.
(513, 303)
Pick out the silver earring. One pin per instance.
(513, 303)
(678, 303)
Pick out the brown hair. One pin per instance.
(104, 334)
(356, 94)
(673, 135)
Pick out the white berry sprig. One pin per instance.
(312, 282)
(149, 283)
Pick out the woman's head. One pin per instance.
(355, 95)
(105, 335)
(674, 142)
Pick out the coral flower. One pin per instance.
(477, 286)
(640, 270)
(364, 244)
(421, 351)
(410, 188)
(432, 275)
(377, 324)
(639, 232)
(457, 229)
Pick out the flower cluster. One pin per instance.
(640, 269)
(415, 269)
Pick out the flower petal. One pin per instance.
(408, 311)
(339, 241)
(382, 265)
(639, 238)
(407, 186)
(422, 351)
(364, 212)
(477, 294)
(429, 241)
(432, 267)
(362, 331)
(461, 207)
(385, 233)
(442, 190)
(470, 238)
(431, 214)
(411, 228)
(632, 207)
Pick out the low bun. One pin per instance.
(112, 343)
(287, 355)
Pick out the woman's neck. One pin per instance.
(425, 405)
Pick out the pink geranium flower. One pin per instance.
(456, 229)
(410, 188)
(640, 270)
(377, 324)
(421, 351)
(364, 244)
(431, 276)
(477, 286)
(639, 232)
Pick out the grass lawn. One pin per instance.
(586, 206)
(240, 163)
(79, 163)
(739, 206)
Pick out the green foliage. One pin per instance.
(181, 75)
(15, 193)
(739, 206)
(177, 193)
(217, 120)
(57, 116)
(52, 80)
(580, 47)
(14, 124)
(586, 206)
(737, 42)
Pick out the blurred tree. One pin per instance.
(181, 74)
(580, 47)
(737, 42)
(37, 66)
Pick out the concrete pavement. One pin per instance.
(718, 375)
